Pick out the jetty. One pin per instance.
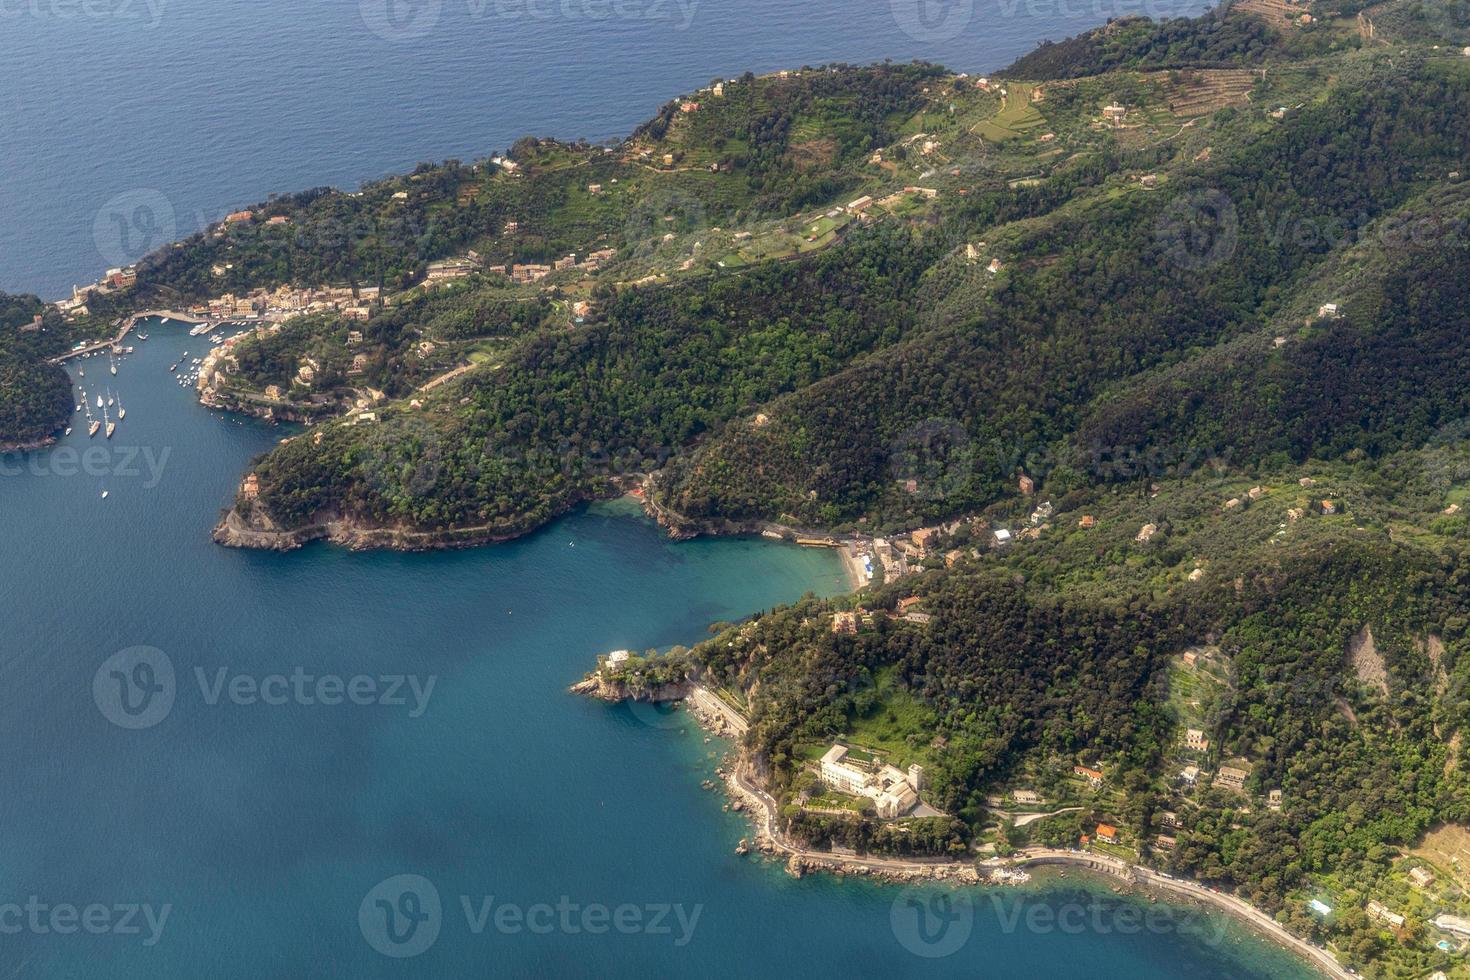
(125, 328)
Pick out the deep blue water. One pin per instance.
(172, 113)
(264, 827)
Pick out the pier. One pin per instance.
(125, 329)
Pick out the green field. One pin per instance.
(1018, 117)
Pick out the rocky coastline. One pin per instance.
(741, 777)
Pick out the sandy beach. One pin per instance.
(853, 567)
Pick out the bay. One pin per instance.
(263, 827)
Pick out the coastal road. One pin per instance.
(744, 787)
(1318, 956)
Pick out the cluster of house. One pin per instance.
(459, 267)
(116, 280)
(284, 301)
(892, 791)
(852, 622)
(902, 554)
(1326, 506)
(1037, 523)
(1230, 777)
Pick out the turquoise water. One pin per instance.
(263, 828)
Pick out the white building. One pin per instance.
(894, 792)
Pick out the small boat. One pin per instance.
(99, 401)
(142, 336)
(104, 494)
(81, 373)
(172, 368)
(68, 431)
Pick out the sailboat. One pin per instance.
(111, 425)
(112, 363)
(92, 424)
(122, 413)
(109, 397)
(81, 373)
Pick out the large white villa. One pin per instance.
(894, 792)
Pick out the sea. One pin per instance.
(332, 764)
(127, 124)
(270, 751)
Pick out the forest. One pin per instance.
(35, 396)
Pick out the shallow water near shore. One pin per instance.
(263, 827)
